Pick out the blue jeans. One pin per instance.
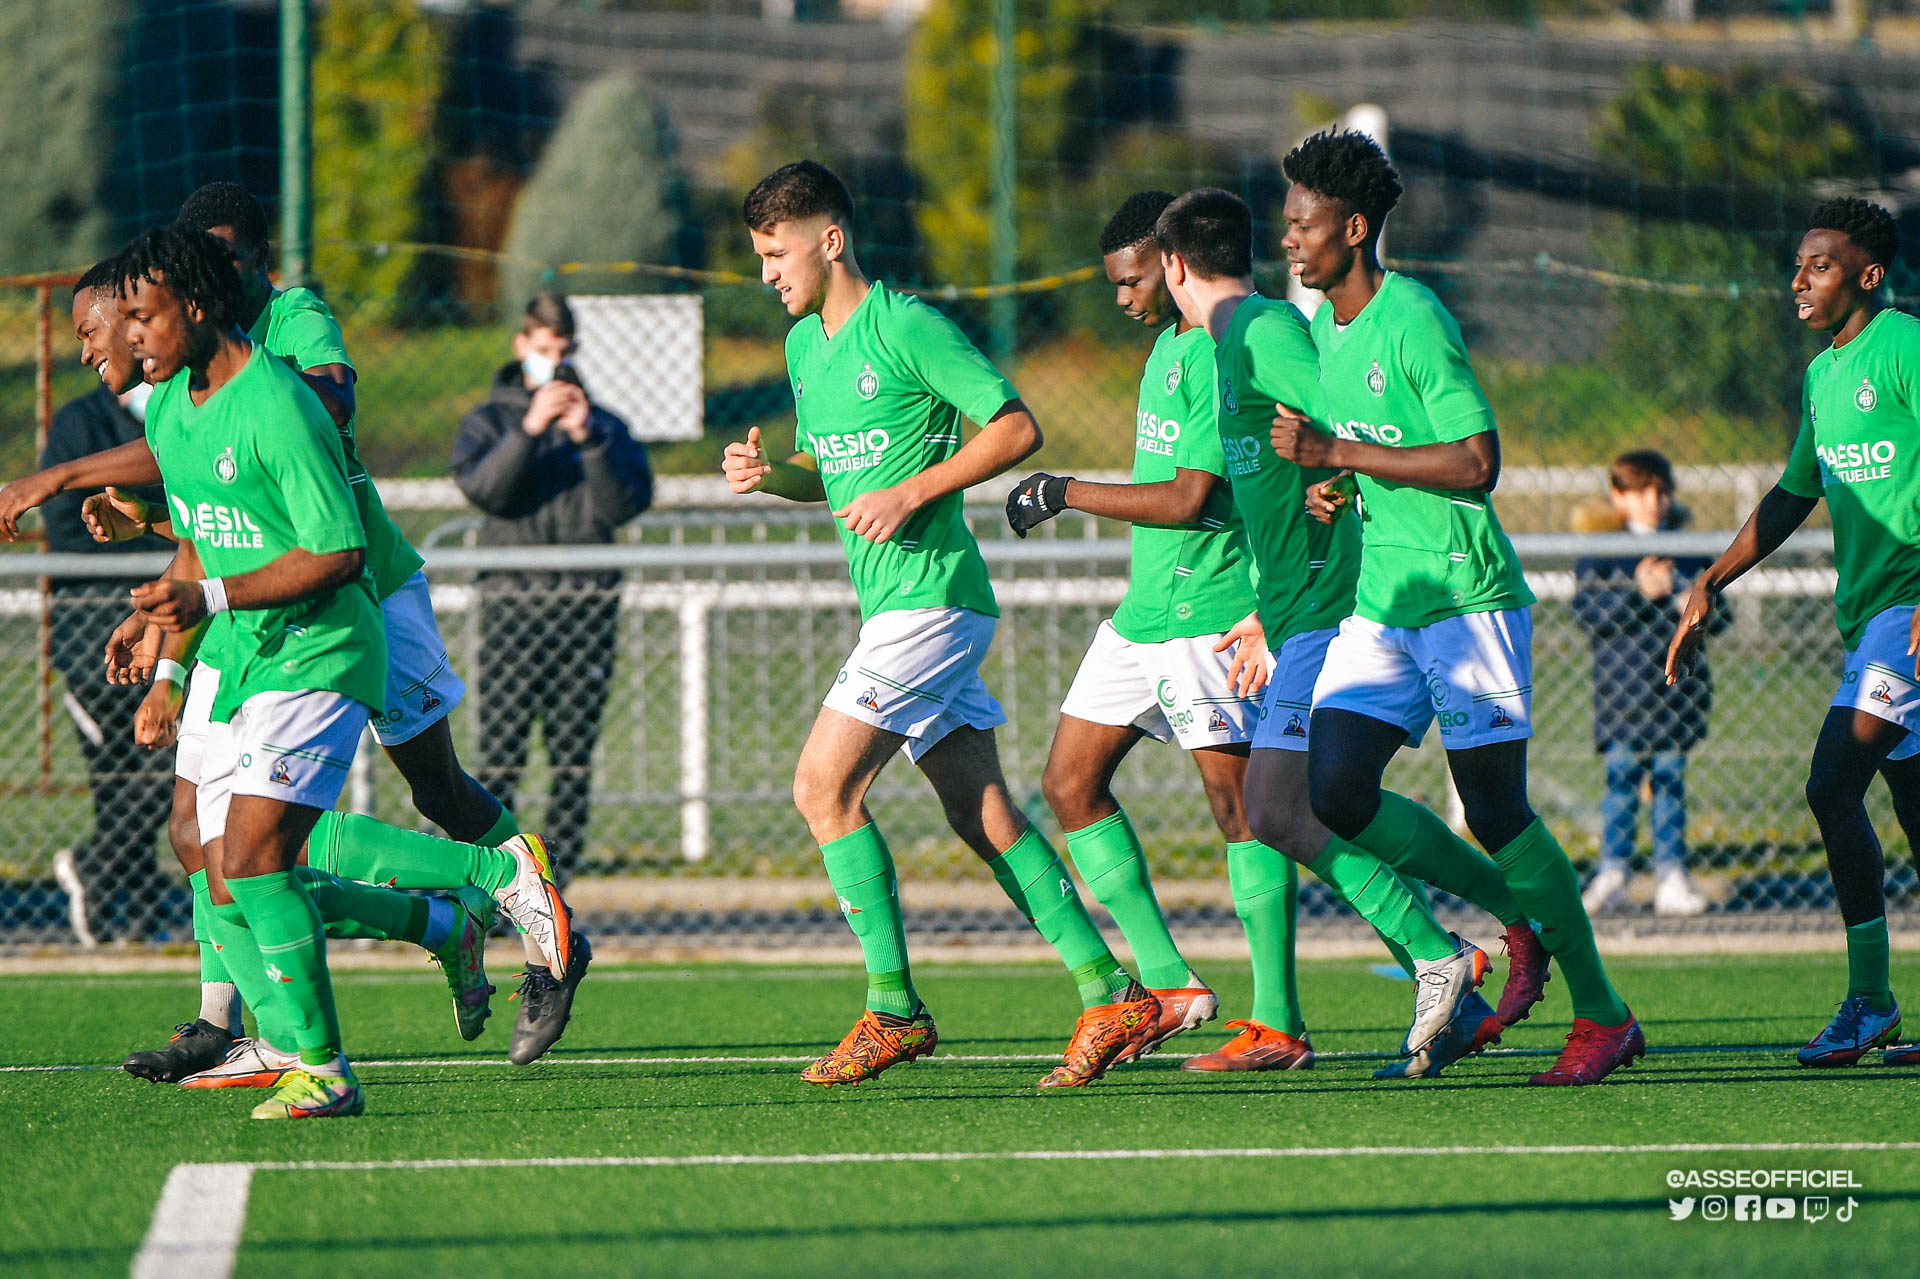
(1620, 811)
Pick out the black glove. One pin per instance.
(1035, 500)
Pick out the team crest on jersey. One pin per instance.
(1882, 694)
(1866, 397)
(1294, 727)
(870, 700)
(868, 383)
(1227, 396)
(1173, 377)
(1499, 718)
(1376, 380)
(1217, 721)
(225, 468)
(278, 773)
(799, 388)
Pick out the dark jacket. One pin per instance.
(94, 422)
(545, 490)
(1632, 705)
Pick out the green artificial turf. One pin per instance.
(88, 1150)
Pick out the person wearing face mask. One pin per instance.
(112, 874)
(549, 469)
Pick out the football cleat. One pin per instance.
(1441, 986)
(1527, 974)
(1472, 1029)
(1257, 1047)
(463, 960)
(250, 1063)
(533, 903)
(545, 1005)
(877, 1042)
(1593, 1052)
(1102, 1034)
(196, 1046)
(1902, 1055)
(1181, 1009)
(1856, 1030)
(305, 1095)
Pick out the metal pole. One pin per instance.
(1004, 256)
(42, 423)
(296, 145)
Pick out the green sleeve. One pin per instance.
(1802, 476)
(1198, 448)
(937, 353)
(308, 336)
(301, 456)
(1281, 362)
(1434, 357)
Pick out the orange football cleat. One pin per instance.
(876, 1042)
(1257, 1047)
(1181, 1009)
(1102, 1034)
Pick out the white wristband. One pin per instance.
(214, 591)
(170, 671)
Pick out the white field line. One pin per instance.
(195, 1232)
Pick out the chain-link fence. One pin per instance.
(645, 706)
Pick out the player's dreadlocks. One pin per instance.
(194, 266)
(1348, 167)
(1132, 223)
(1865, 223)
(228, 204)
(103, 274)
(795, 192)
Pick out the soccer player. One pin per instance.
(1859, 436)
(880, 382)
(1442, 627)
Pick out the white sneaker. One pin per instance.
(1677, 895)
(1440, 987)
(1606, 891)
(533, 903)
(250, 1063)
(67, 875)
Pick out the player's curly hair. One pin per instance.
(228, 204)
(1132, 223)
(101, 275)
(192, 265)
(1349, 167)
(1862, 221)
(795, 192)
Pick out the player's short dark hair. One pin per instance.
(1350, 168)
(548, 311)
(101, 275)
(192, 265)
(228, 204)
(1862, 221)
(1132, 223)
(795, 192)
(1212, 229)
(1641, 468)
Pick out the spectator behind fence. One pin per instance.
(1642, 727)
(549, 469)
(112, 876)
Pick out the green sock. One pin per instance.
(1412, 839)
(369, 850)
(1033, 878)
(1383, 899)
(293, 950)
(1266, 897)
(861, 871)
(241, 955)
(504, 828)
(1869, 960)
(1114, 865)
(212, 968)
(349, 908)
(1401, 955)
(1543, 880)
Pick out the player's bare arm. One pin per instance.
(748, 470)
(1470, 465)
(1008, 439)
(1771, 523)
(127, 465)
(176, 605)
(1176, 501)
(333, 383)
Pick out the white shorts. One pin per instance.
(916, 672)
(1471, 674)
(1171, 690)
(1287, 710)
(196, 717)
(1878, 678)
(295, 747)
(422, 688)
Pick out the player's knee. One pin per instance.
(1341, 804)
(1830, 790)
(820, 797)
(183, 832)
(1070, 793)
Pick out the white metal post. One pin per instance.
(695, 831)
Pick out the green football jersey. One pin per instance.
(1304, 570)
(1184, 580)
(1859, 447)
(252, 473)
(1398, 375)
(299, 328)
(877, 403)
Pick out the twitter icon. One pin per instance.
(1681, 1208)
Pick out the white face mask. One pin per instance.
(135, 401)
(538, 369)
